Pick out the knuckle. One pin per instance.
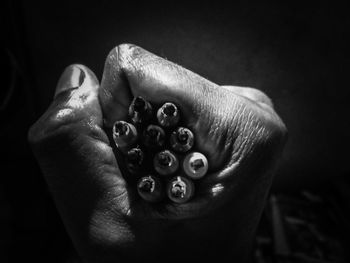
(120, 51)
(277, 130)
(264, 124)
(113, 53)
(126, 47)
(281, 133)
(261, 137)
(121, 58)
(128, 55)
(259, 96)
(270, 143)
(274, 135)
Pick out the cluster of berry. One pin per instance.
(154, 143)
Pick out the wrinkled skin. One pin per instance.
(235, 127)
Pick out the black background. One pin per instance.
(297, 54)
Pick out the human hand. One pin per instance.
(236, 128)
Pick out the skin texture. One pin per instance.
(235, 127)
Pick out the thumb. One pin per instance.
(69, 141)
(72, 78)
(74, 154)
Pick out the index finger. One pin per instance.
(131, 71)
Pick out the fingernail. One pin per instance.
(71, 78)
